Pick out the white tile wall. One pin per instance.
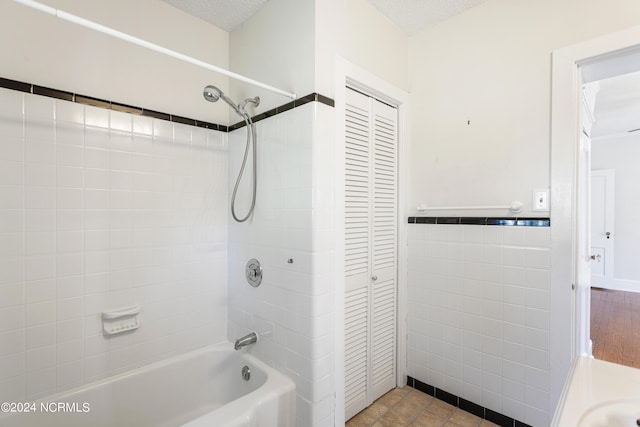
(479, 315)
(101, 210)
(292, 310)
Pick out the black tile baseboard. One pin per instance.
(423, 387)
(471, 407)
(111, 105)
(465, 405)
(519, 221)
(451, 399)
(498, 418)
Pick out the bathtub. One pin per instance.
(197, 389)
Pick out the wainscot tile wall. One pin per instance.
(291, 234)
(479, 312)
(102, 209)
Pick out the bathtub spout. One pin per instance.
(250, 338)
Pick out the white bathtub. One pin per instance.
(201, 388)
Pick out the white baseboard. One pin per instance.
(620, 285)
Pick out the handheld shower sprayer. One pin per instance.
(213, 94)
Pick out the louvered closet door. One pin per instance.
(357, 258)
(383, 251)
(370, 250)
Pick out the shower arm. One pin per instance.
(143, 43)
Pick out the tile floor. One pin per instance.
(409, 407)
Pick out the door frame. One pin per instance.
(565, 310)
(348, 74)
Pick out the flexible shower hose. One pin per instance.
(251, 138)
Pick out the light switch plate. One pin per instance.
(540, 201)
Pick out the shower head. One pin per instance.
(212, 93)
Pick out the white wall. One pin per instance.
(292, 310)
(622, 153)
(292, 45)
(101, 210)
(359, 33)
(44, 50)
(275, 46)
(491, 65)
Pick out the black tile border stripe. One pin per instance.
(126, 108)
(110, 105)
(465, 405)
(52, 93)
(312, 97)
(96, 102)
(519, 222)
(15, 85)
(157, 115)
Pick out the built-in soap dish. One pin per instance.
(120, 321)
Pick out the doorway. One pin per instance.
(600, 130)
(570, 269)
(615, 276)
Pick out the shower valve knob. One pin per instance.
(253, 272)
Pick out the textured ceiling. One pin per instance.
(225, 14)
(617, 106)
(410, 15)
(415, 15)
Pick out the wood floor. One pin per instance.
(615, 326)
